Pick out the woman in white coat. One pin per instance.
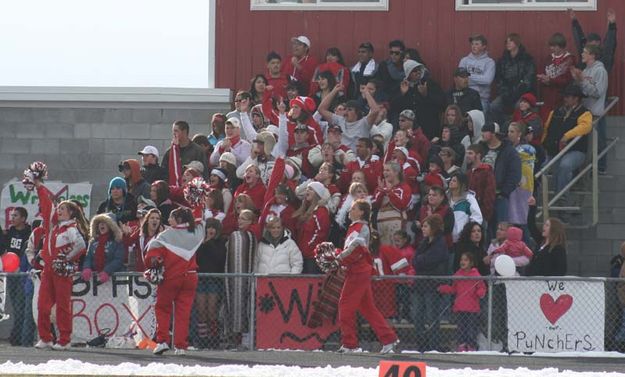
(277, 252)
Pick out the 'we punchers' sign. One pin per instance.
(555, 316)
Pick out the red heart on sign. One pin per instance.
(553, 310)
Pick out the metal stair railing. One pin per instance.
(547, 204)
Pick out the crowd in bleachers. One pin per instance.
(445, 170)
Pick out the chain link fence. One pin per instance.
(247, 311)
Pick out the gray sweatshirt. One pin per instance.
(595, 87)
(482, 69)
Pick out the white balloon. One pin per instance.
(504, 265)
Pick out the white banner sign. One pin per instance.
(15, 195)
(555, 316)
(122, 306)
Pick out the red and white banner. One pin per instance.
(123, 305)
(555, 316)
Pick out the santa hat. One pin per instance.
(305, 103)
(320, 190)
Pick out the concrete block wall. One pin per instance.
(590, 250)
(87, 144)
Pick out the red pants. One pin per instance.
(357, 296)
(57, 290)
(179, 292)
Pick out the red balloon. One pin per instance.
(10, 262)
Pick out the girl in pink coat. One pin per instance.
(467, 302)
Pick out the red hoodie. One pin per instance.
(304, 73)
(468, 292)
(313, 231)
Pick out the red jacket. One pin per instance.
(304, 73)
(279, 85)
(468, 292)
(257, 193)
(355, 256)
(60, 237)
(313, 231)
(482, 183)
(372, 168)
(395, 261)
(399, 196)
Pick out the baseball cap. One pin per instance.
(302, 39)
(301, 127)
(195, 165)
(367, 46)
(461, 72)
(148, 149)
(491, 127)
(335, 127)
(408, 114)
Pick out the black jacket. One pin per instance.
(211, 256)
(515, 76)
(431, 257)
(124, 213)
(507, 168)
(153, 173)
(548, 262)
(467, 99)
(608, 47)
(427, 109)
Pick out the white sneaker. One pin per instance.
(180, 352)
(344, 349)
(389, 348)
(59, 347)
(43, 345)
(160, 348)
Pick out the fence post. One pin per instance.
(252, 326)
(595, 176)
(489, 325)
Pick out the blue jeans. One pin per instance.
(485, 105)
(602, 142)
(564, 169)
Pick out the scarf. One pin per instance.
(100, 252)
(365, 70)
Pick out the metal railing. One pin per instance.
(548, 204)
(521, 314)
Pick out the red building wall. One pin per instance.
(434, 27)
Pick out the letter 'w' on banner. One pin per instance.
(555, 315)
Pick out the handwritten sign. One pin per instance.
(124, 304)
(15, 195)
(555, 316)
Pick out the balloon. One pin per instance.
(504, 265)
(10, 261)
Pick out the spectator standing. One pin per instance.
(550, 259)
(189, 151)
(391, 72)
(431, 259)
(258, 86)
(137, 185)
(515, 76)
(392, 201)
(609, 41)
(210, 258)
(300, 66)
(472, 240)
(106, 252)
(481, 68)
(463, 204)
(594, 83)
(369, 164)
(277, 252)
(16, 240)
(467, 302)
(481, 179)
(232, 143)
(526, 112)
(151, 171)
(365, 69)
(334, 64)
(506, 164)
(313, 224)
(277, 80)
(218, 124)
(421, 94)
(519, 198)
(557, 74)
(120, 202)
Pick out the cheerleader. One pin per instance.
(172, 265)
(357, 295)
(65, 230)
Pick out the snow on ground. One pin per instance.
(73, 367)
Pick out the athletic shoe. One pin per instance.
(344, 349)
(389, 348)
(43, 345)
(160, 348)
(180, 352)
(61, 347)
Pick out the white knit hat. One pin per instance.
(320, 190)
(229, 158)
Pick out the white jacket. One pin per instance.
(241, 151)
(286, 258)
